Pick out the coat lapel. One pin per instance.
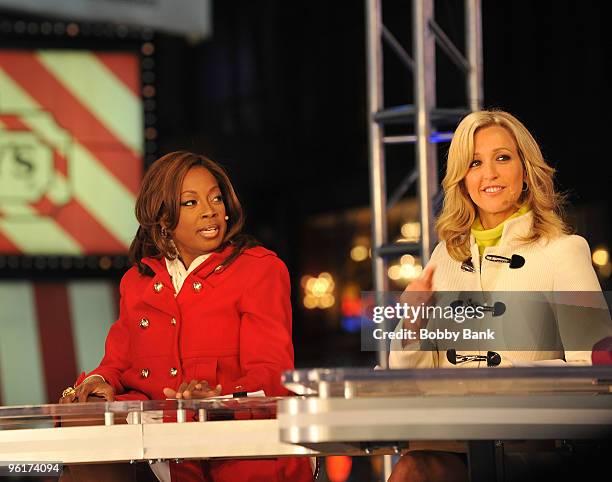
(207, 273)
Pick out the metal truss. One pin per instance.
(424, 115)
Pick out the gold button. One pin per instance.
(144, 323)
(173, 321)
(157, 287)
(173, 372)
(197, 286)
(144, 373)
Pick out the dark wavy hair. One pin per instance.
(158, 204)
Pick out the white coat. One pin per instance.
(558, 265)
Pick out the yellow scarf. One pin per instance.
(490, 237)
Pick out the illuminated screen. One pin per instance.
(71, 145)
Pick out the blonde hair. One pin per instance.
(458, 211)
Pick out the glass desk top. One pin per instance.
(362, 382)
(151, 411)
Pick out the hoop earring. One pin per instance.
(525, 187)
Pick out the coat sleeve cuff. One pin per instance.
(109, 377)
(95, 375)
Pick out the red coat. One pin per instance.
(230, 326)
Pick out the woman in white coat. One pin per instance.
(500, 230)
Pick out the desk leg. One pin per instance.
(485, 461)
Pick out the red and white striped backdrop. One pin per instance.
(49, 333)
(71, 144)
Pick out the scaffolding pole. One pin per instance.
(473, 47)
(425, 100)
(378, 188)
(424, 114)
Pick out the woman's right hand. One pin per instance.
(95, 386)
(418, 293)
(193, 390)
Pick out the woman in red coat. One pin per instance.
(205, 310)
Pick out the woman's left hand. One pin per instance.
(192, 390)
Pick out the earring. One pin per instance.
(164, 232)
(173, 251)
(525, 187)
(226, 218)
